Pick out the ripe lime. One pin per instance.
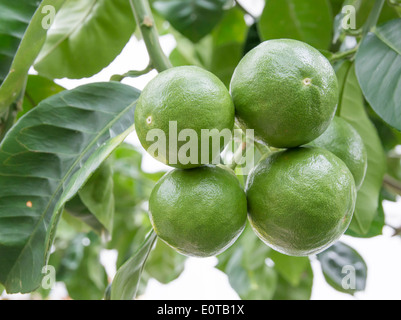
(199, 212)
(345, 142)
(286, 91)
(300, 200)
(185, 98)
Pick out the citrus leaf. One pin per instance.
(72, 132)
(21, 38)
(126, 281)
(303, 291)
(343, 268)
(309, 21)
(246, 268)
(14, 20)
(97, 195)
(351, 108)
(290, 268)
(85, 38)
(378, 68)
(192, 18)
(38, 88)
(164, 264)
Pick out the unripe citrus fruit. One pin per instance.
(199, 212)
(345, 142)
(286, 91)
(181, 102)
(300, 200)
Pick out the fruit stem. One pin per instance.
(132, 73)
(144, 19)
(238, 154)
(345, 54)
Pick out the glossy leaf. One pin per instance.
(343, 268)
(72, 132)
(309, 21)
(85, 38)
(192, 18)
(126, 281)
(378, 68)
(22, 37)
(351, 108)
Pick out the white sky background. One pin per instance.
(201, 280)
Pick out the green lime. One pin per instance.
(300, 201)
(345, 142)
(192, 109)
(286, 91)
(199, 212)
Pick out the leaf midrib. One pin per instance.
(62, 180)
(68, 35)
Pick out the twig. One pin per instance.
(144, 19)
(132, 74)
(344, 54)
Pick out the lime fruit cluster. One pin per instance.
(198, 209)
(299, 199)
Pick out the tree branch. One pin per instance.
(144, 19)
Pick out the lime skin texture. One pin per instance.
(194, 99)
(345, 142)
(286, 91)
(300, 201)
(199, 212)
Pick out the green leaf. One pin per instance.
(290, 268)
(72, 132)
(351, 108)
(87, 278)
(126, 281)
(164, 263)
(309, 21)
(343, 268)
(78, 211)
(246, 268)
(303, 291)
(21, 38)
(38, 88)
(85, 38)
(14, 20)
(376, 228)
(97, 195)
(228, 45)
(192, 18)
(378, 68)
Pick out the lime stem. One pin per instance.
(132, 74)
(145, 21)
(345, 54)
